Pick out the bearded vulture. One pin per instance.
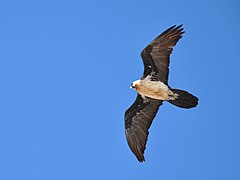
(153, 89)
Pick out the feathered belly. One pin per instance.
(153, 89)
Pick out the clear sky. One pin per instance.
(65, 72)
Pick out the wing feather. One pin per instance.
(138, 119)
(156, 56)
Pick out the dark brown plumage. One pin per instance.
(139, 117)
(157, 53)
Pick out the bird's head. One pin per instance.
(135, 84)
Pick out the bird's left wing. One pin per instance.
(138, 119)
(156, 56)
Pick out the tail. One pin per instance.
(184, 99)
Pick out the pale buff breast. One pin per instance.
(153, 89)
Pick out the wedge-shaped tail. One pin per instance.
(184, 99)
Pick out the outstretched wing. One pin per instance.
(138, 119)
(157, 54)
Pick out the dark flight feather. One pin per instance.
(156, 56)
(138, 119)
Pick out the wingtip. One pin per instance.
(179, 27)
(141, 159)
(140, 156)
(176, 27)
(172, 26)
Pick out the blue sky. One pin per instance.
(65, 72)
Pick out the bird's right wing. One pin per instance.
(138, 119)
(156, 56)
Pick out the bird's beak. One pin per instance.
(131, 87)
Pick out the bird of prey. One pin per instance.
(153, 89)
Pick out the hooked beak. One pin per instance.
(132, 87)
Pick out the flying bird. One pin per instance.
(153, 89)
